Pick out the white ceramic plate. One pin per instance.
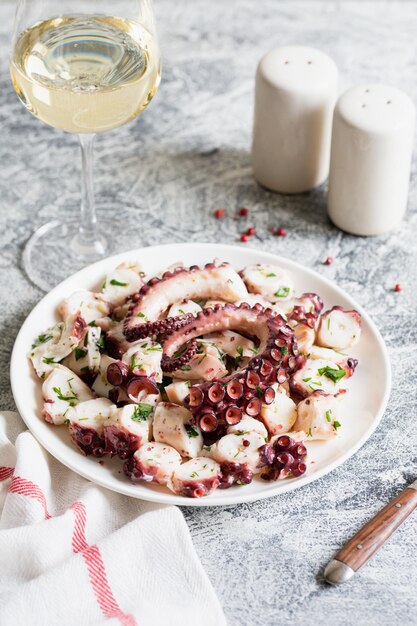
(363, 406)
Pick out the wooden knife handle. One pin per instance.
(371, 537)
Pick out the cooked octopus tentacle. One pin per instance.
(196, 478)
(154, 298)
(218, 404)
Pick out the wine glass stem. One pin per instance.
(88, 221)
(88, 244)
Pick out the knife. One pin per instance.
(371, 537)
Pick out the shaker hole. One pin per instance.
(309, 62)
(363, 106)
(286, 62)
(388, 101)
(367, 90)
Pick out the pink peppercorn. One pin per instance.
(251, 231)
(243, 212)
(329, 260)
(281, 232)
(397, 287)
(219, 213)
(244, 237)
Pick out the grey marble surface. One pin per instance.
(186, 156)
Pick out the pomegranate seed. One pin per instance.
(244, 238)
(329, 260)
(218, 214)
(397, 287)
(243, 212)
(246, 443)
(251, 231)
(280, 232)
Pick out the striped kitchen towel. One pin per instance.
(73, 553)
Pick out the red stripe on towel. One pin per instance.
(96, 569)
(25, 487)
(6, 472)
(91, 554)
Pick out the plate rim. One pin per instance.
(238, 498)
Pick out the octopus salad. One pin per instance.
(198, 378)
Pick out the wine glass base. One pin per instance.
(54, 251)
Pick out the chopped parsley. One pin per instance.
(79, 353)
(104, 285)
(141, 412)
(254, 350)
(154, 349)
(191, 430)
(309, 433)
(82, 419)
(207, 448)
(194, 475)
(48, 360)
(71, 399)
(100, 344)
(179, 353)
(219, 352)
(239, 350)
(329, 416)
(41, 339)
(306, 380)
(92, 323)
(284, 350)
(116, 283)
(185, 368)
(259, 391)
(140, 314)
(271, 275)
(328, 323)
(181, 311)
(133, 364)
(230, 281)
(282, 292)
(336, 425)
(332, 373)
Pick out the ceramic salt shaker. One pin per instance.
(372, 143)
(295, 94)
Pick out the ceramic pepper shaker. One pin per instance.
(372, 142)
(295, 94)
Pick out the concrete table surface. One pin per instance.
(187, 155)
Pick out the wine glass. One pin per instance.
(85, 72)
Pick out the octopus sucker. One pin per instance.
(153, 299)
(221, 403)
(159, 327)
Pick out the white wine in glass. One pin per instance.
(82, 73)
